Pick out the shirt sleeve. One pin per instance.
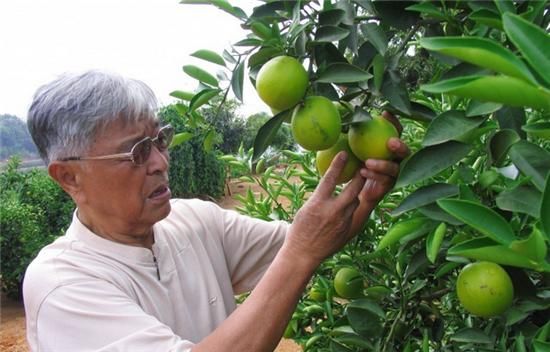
(96, 316)
(249, 245)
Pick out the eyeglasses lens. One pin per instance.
(141, 151)
(164, 138)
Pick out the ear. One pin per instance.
(66, 175)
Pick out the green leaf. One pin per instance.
(434, 240)
(476, 108)
(418, 112)
(532, 161)
(424, 196)
(181, 138)
(209, 140)
(237, 81)
(200, 75)
(434, 212)
(376, 36)
(532, 41)
(404, 228)
(209, 56)
(329, 34)
(428, 8)
(499, 144)
(395, 91)
(539, 129)
(505, 6)
(429, 161)
(487, 17)
(202, 98)
(266, 134)
(342, 73)
(471, 335)
(365, 317)
(533, 247)
(512, 118)
(482, 52)
(545, 209)
(249, 42)
(378, 68)
(481, 218)
(500, 89)
(522, 199)
(180, 94)
(332, 17)
(450, 125)
(263, 55)
(489, 250)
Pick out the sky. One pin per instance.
(149, 40)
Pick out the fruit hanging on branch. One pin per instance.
(369, 139)
(484, 289)
(316, 123)
(282, 82)
(324, 158)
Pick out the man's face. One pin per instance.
(118, 196)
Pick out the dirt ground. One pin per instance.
(12, 314)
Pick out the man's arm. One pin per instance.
(321, 227)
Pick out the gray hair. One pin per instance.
(66, 114)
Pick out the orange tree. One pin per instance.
(470, 82)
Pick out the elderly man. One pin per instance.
(139, 271)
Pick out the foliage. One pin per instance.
(34, 211)
(194, 171)
(15, 138)
(282, 140)
(226, 123)
(477, 186)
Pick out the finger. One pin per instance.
(351, 191)
(382, 166)
(391, 118)
(375, 175)
(398, 148)
(328, 182)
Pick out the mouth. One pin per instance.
(161, 191)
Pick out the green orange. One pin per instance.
(349, 283)
(324, 158)
(316, 123)
(369, 139)
(282, 82)
(484, 289)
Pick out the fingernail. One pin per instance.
(370, 163)
(343, 156)
(394, 142)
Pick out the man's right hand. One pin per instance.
(324, 223)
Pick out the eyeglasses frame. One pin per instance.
(129, 156)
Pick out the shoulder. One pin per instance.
(194, 212)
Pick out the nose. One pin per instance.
(159, 160)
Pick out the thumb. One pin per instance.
(328, 182)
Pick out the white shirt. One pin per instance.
(86, 293)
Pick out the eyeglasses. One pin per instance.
(140, 152)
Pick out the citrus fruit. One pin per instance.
(317, 294)
(484, 289)
(316, 124)
(348, 283)
(368, 139)
(324, 158)
(282, 82)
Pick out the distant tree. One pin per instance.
(15, 138)
(229, 126)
